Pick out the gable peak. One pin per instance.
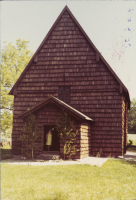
(34, 58)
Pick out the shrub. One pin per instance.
(67, 133)
(129, 143)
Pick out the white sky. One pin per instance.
(111, 25)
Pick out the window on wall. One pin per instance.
(64, 93)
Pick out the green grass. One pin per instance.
(5, 152)
(132, 137)
(115, 180)
(134, 142)
(131, 148)
(4, 157)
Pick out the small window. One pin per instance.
(64, 93)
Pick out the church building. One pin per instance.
(68, 72)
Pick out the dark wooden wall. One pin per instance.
(68, 59)
(123, 125)
(126, 122)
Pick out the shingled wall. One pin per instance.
(124, 125)
(67, 59)
(85, 140)
(126, 122)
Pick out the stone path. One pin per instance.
(89, 160)
(129, 156)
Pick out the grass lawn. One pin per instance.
(133, 142)
(132, 137)
(115, 180)
(5, 152)
(131, 148)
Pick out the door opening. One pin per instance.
(51, 139)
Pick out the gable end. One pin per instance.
(35, 57)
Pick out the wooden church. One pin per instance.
(68, 72)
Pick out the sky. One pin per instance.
(111, 26)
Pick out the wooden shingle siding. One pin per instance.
(94, 90)
(126, 120)
(85, 140)
(124, 124)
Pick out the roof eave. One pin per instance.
(60, 104)
(37, 51)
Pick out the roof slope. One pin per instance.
(59, 103)
(90, 42)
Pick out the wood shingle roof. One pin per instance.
(122, 86)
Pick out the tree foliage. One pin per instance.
(132, 117)
(31, 136)
(67, 133)
(6, 123)
(13, 61)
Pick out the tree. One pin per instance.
(30, 137)
(13, 61)
(67, 133)
(132, 117)
(6, 123)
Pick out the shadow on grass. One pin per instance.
(133, 163)
(5, 151)
(4, 157)
(57, 196)
(131, 148)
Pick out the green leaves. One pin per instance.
(30, 137)
(6, 122)
(66, 127)
(13, 61)
(132, 117)
(69, 149)
(67, 133)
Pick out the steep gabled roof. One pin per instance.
(90, 42)
(61, 104)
